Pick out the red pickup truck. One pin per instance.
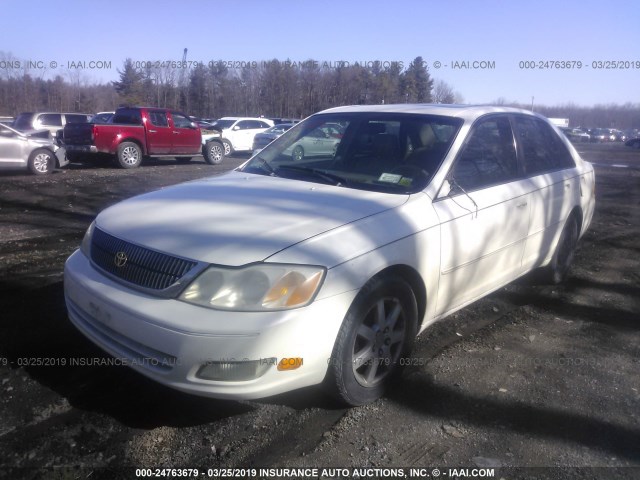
(137, 132)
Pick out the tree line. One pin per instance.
(271, 88)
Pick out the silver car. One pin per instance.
(33, 150)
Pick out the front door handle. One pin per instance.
(522, 205)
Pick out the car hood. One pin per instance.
(238, 218)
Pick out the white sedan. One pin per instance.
(290, 272)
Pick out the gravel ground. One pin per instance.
(532, 381)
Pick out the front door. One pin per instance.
(484, 216)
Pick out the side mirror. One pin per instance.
(236, 128)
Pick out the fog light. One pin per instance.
(235, 371)
(289, 363)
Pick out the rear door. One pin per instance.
(186, 139)
(159, 133)
(555, 185)
(484, 215)
(12, 148)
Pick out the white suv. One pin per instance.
(238, 132)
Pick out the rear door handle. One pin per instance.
(522, 205)
(177, 133)
(153, 131)
(567, 185)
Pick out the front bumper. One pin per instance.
(169, 340)
(61, 155)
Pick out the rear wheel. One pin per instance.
(41, 161)
(377, 332)
(214, 153)
(129, 155)
(558, 269)
(298, 153)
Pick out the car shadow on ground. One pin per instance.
(427, 397)
(35, 330)
(421, 392)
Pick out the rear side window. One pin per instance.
(180, 121)
(489, 156)
(76, 118)
(128, 116)
(50, 120)
(159, 119)
(542, 149)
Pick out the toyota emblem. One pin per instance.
(120, 259)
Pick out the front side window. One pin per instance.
(541, 147)
(387, 152)
(159, 119)
(489, 156)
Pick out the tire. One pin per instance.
(228, 148)
(73, 156)
(129, 155)
(558, 269)
(377, 332)
(298, 153)
(183, 159)
(41, 161)
(214, 152)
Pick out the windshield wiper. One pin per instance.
(332, 178)
(266, 166)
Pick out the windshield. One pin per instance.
(396, 153)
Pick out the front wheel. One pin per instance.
(214, 153)
(129, 155)
(228, 148)
(41, 161)
(377, 332)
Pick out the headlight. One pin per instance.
(85, 246)
(257, 287)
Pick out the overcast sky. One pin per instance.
(486, 40)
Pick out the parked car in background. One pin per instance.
(136, 132)
(238, 132)
(576, 134)
(51, 121)
(30, 149)
(290, 272)
(633, 142)
(321, 142)
(263, 139)
(600, 135)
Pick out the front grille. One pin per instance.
(143, 267)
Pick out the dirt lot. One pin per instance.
(532, 376)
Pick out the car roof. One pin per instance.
(246, 118)
(467, 112)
